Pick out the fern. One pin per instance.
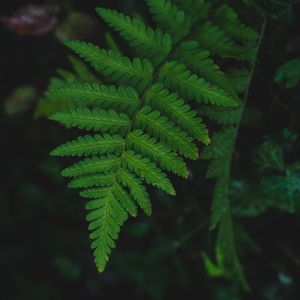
(216, 40)
(111, 64)
(149, 43)
(221, 150)
(170, 18)
(198, 61)
(228, 20)
(143, 111)
(95, 119)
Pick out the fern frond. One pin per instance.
(217, 42)
(227, 18)
(159, 153)
(226, 251)
(179, 112)
(90, 145)
(176, 76)
(148, 171)
(126, 201)
(199, 62)
(82, 71)
(222, 115)
(122, 98)
(113, 65)
(106, 217)
(144, 123)
(216, 168)
(137, 190)
(239, 78)
(199, 9)
(104, 164)
(111, 43)
(149, 43)
(67, 76)
(160, 127)
(170, 18)
(220, 198)
(93, 180)
(94, 119)
(221, 146)
(99, 192)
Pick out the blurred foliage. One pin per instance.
(275, 183)
(71, 28)
(20, 100)
(288, 75)
(44, 247)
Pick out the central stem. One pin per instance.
(143, 96)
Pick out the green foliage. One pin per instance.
(144, 122)
(218, 43)
(228, 20)
(52, 103)
(288, 75)
(170, 18)
(90, 145)
(178, 111)
(176, 76)
(149, 43)
(219, 153)
(95, 119)
(199, 61)
(276, 183)
(284, 188)
(111, 64)
(269, 156)
(222, 148)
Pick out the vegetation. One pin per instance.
(178, 94)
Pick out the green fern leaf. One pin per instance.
(96, 119)
(179, 112)
(127, 202)
(137, 190)
(227, 18)
(164, 156)
(99, 192)
(92, 180)
(160, 127)
(106, 217)
(239, 78)
(199, 9)
(82, 70)
(170, 18)
(67, 76)
(220, 199)
(145, 123)
(222, 115)
(148, 171)
(90, 145)
(123, 98)
(113, 65)
(226, 252)
(216, 168)
(176, 75)
(105, 164)
(199, 62)
(217, 42)
(152, 44)
(221, 146)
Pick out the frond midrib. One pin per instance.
(119, 66)
(142, 98)
(116, 99)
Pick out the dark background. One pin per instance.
(44, 248)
